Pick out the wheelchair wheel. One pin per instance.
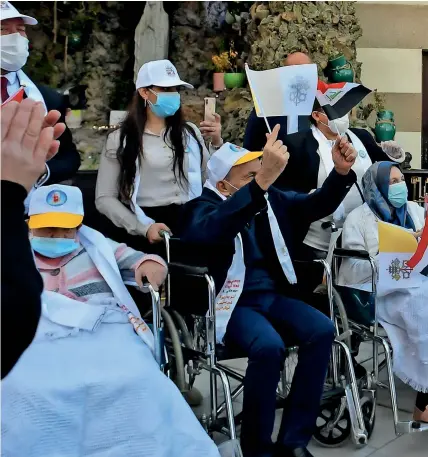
(290, 365)
(333, 426)
(368, 408)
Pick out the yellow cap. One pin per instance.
(57, 220)
(248, 157)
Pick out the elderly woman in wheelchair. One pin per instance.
(89, 383)
(403, 312)
(246, 231)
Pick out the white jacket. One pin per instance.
(360, 232)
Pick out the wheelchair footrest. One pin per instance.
(332, 393)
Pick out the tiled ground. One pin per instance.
(383, 442)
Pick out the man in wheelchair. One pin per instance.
(248, 232)
(89, 383)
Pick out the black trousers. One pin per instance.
(168, 215)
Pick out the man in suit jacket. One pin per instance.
(302, 170)
(241, 216)
(14, 53)
(255, 133)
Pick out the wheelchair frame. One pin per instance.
(372, 334)
(206, 358)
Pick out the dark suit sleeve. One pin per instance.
(209, 223)
(67, 161)
(255, 133)
(21, 283)
(325, 200)
(374, 151)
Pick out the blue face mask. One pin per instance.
(167, 103)
(397, 194)
(53, 247)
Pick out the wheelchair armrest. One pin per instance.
(188, 270)
(351, 253)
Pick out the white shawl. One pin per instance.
(71, 313)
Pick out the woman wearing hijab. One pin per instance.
(155, 162)
(404, 316)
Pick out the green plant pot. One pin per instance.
(232, 80)
(338, 61)
(340, 70)
(385, 127)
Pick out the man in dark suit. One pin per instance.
(255, 133)
(14, 53)
(247, 232)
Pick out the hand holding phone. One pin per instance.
(210, 104)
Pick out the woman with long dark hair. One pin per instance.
(155, 162)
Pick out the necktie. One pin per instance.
(4, 93)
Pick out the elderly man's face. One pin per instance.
(238, 177)
(15, 25)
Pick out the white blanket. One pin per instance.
(404, 316)
(96, 393)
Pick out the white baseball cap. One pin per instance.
(56, 206)
(228, 156)
(160, 73)
(8, 11)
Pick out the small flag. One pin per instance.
(422, 250)
(338, 99)
(16, 97)
(284, 91)
(402, 264)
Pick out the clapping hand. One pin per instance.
(28, 140)
(344, 155)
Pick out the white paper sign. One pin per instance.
(284, 91)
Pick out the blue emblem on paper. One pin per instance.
(56, 198)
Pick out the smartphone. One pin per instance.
(209, 108)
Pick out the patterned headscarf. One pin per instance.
(375, 188)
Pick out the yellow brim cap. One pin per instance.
(248, 157)
(56, 220)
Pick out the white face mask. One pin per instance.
(14, 51)
(339, 125)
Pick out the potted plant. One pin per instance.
(234, 77)
(385, 125)
(221, 64)
(338, 68)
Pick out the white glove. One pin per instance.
(393, 150)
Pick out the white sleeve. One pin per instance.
(354, 236)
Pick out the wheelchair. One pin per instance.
(189, 335)
(355, 313)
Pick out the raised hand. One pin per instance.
(275, 159)
(344, 155)
(212, 129)
(26, 142)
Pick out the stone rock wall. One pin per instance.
(275, 29)
(195, 38)
(316, 28)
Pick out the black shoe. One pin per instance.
(282, 451)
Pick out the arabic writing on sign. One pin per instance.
(232, 284)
